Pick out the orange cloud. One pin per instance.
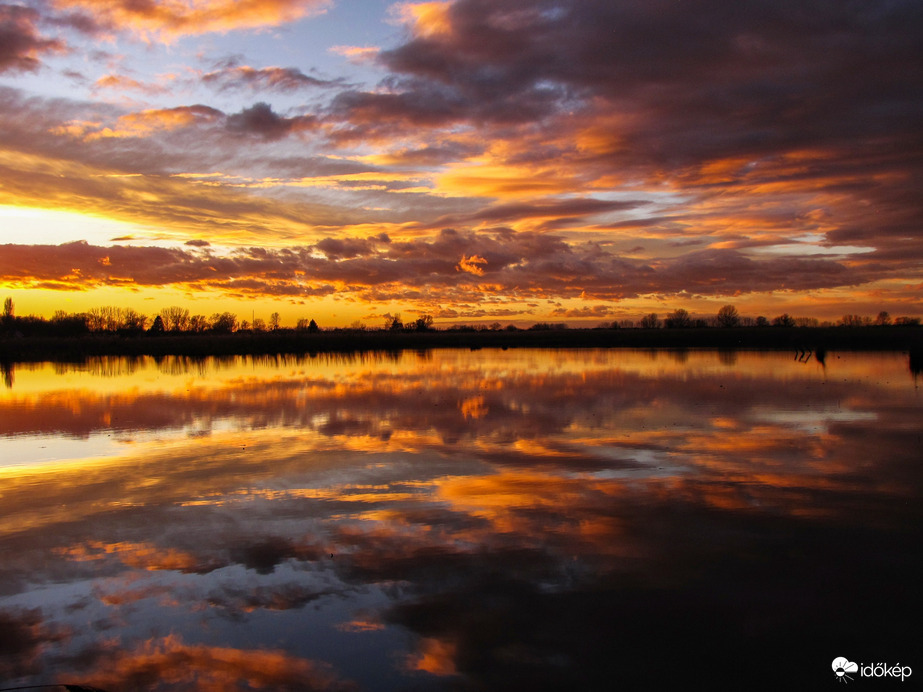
(361, 625)
(474, 407)
(146, 556)
(496, 179)
(425, 19)
(171, 19)
(170, 661)
(123, 83)
(357, 54)
(435, 656)
(145, 123)
(472, 265)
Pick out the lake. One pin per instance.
(459, 520)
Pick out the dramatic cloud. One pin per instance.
(472, 265)
(668, 149)
(452, 265)
(762, 102)
(787, 73)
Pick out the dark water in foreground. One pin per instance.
(512, 520)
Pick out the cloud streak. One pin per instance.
(454, 265)
(169, 20)
(284, 79)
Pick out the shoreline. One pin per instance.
(286, 341)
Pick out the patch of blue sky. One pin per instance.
(811, 244)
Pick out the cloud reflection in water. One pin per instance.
(515, 520)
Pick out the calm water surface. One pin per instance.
(458, 520)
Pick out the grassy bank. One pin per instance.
(296, 342)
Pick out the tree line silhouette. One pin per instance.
(179, 320)
(728, 317)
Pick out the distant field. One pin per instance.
(291, 341)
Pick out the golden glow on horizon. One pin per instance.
(42, 225)
(331, 311)
(147, 201)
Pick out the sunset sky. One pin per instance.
(481, 161)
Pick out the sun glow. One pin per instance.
(50, 226)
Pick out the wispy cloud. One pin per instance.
(283, 79)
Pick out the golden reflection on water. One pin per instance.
(206, 524)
